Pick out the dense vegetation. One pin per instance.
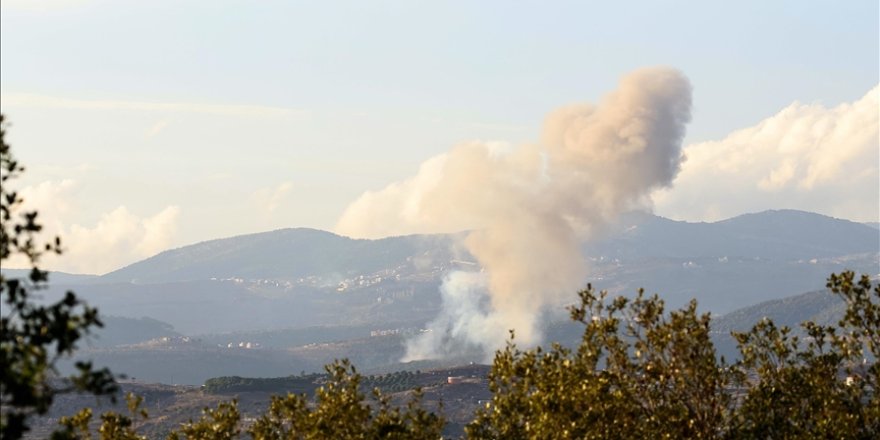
(393, 382)
(290, 384)
(638, 372)
(308, 383)
(642, 373)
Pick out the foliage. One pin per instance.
(222, 423)
(641, 373)
(35, 336)
(394, 382)
(230, 384)
(341, 412)
(636, 373)
(307, 383)
(114, 426)
(822, 386)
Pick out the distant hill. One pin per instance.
(296, 278)
(281, 254)
(819, 306)
(778, 235)
(54, 277)
(306, 296)
(300, 252)
(732, 263)
(119, 330)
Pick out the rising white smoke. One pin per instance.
(529, 207)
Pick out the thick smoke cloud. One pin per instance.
(529, 207)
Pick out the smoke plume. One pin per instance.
(528, 208)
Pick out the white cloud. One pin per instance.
(118, 238)
(807, 157)
(158, 231)
(51, 198)
(269, 199)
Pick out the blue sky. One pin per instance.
(245, 116)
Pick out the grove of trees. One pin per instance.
(639, 371)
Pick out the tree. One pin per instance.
(341, 412)
(33, 337)
(637, 373)
(642, 373)
(222, 423)
(821, 387)
(114, 426)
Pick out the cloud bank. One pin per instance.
(530, 206)
(119, 237)
(807, 157)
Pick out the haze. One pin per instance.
(151, 125)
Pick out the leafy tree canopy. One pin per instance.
(643, 373)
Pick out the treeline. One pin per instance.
(290, 384)
(307, 383)
(396, 381)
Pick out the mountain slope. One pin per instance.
(819, 306)
(778, 235)
(281, 254)
(295, 253)
(295, 278)
(54, 277)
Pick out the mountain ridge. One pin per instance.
(291, 253)
(276, 254)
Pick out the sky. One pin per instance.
(151, 125)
